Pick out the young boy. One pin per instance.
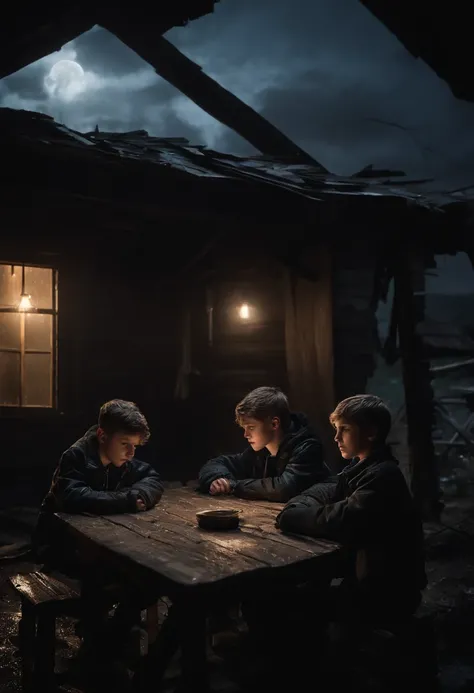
(371, 512)
(99, 474)
(284, 456)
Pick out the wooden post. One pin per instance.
(309, 342)
(417, 382)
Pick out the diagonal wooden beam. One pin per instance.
(29, 33)
(19, 49)
(191, 80)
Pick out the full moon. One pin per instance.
(65, 80)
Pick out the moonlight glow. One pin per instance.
(65, 81)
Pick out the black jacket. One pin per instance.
(370, 510)
(258, 475)
(82, 484)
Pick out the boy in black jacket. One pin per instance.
(284, 456)
(371, 512)
(99, 474)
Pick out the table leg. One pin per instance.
(152, 669)
(27, 638)
(191, 624)
(45, 650)
(152, 623)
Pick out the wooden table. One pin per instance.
(198, 568)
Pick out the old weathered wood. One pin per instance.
(39, 588)
(42, 599)
(170, 561)
(169, 533)
(451, 366)
(417, 383)
(168, 542)
(257, 519)
(309, 340)
(183, 560)
(354, 307)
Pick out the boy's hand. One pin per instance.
(140, 505)
(220, 486)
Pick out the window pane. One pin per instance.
(10, 331)
(38, 332)
(10, 286)
(39, 284)
(9, 379)
(37, 380)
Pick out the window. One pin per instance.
(28, 338)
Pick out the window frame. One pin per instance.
(24, 408)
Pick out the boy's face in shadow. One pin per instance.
(258, 433)
(117, 448)
(352, 441)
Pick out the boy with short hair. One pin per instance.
(99, 474)
(284, 456)
(370, 511)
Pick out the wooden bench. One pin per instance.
(43, 598)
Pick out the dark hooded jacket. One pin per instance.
(82, 484)
(298, 464)
(371, 511)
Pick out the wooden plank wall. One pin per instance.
(116, 339)
(243, 354)
(355, 324)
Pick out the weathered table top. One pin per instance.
(168, 542)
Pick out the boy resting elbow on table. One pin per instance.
(284, 456)
(371, 512)
(99, 474)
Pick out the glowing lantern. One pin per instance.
(25, 305)
(244, 311)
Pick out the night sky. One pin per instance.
(326, 72)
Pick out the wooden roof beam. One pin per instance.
(191, 80)
(19, 49)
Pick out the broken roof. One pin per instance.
(177, 154)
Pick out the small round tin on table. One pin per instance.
(218, 519)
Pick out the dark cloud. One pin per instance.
(101, 51)
(347, 122)
(273, 29)
(336, 81)
(326, 72)
(27, 82)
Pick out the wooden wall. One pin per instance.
(117, 332)
(240, 354)
(354, 306)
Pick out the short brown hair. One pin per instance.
(120, 416)
(367, 412)
(263, 403)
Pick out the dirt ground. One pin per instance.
(449, 599)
